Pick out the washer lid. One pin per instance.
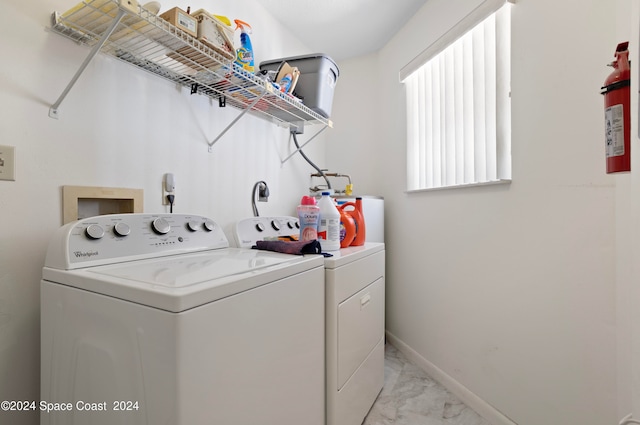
(180, 282)
(183, 271)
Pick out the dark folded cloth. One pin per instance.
(292, 247)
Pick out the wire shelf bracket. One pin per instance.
(304, 144)
(124, 7)
(235, 120)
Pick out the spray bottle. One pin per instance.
(244, 54)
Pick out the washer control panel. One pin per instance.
(108, 239)
(250, 230)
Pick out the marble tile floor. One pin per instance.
(411, 397)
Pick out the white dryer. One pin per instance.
(355, 304)
(153, 319)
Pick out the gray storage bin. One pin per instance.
(318, 77)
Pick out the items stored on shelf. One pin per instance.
(215, 33)
(157, 46)
(182, 20)
(317, 81)
(244, 53)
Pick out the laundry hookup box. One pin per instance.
(317, 80)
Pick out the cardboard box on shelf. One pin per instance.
(182, 20)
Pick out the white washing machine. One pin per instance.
(355, 301)
(153, 319)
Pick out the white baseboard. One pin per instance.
(481, 407)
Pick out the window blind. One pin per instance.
(458, 104)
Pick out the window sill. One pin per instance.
(460, 186)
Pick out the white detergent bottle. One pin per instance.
(329, 224)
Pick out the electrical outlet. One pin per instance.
(168, 188)
(7, 163)
(165, 201)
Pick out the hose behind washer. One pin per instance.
(295, 141)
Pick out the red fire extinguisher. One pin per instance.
(617, 112)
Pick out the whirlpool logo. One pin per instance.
(85, 254)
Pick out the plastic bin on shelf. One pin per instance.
(317, 81)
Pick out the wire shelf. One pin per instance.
(147, 41)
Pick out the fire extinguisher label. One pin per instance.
(614, 128)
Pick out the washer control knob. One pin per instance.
(290, 224)
(297, 225)
(160, 226)
(260, 227)
(275, 224)
(193, 225)
(209, 225)
(94, 231)
(121, 229)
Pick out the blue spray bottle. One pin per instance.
(244, 54)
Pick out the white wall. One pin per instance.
(119, 127)
(627, 236)
(509, 291)
(519, 293)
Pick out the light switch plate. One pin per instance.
(7, 163)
